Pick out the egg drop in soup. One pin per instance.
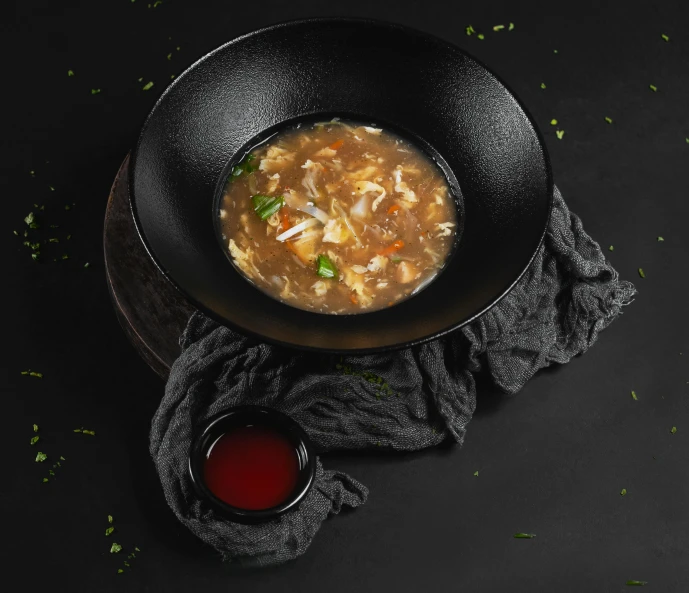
(338, 217)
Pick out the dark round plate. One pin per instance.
(417, 84)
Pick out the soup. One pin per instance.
(338, 217)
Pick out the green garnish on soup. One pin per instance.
(266, 206)
(325, 267)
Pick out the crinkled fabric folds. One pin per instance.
(405, 400)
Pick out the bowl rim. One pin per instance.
(550, 185)
(265, 416)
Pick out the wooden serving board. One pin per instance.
(151, 311)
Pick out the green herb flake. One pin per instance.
(673, 430)
(108, 531)
(623, 492)
(68, 207)
(636, 399)
(470, 30)
(147, 86)
(481, 36)
(115, 548)
(157, 3)
(51, 472)
(53, 240)
(554, 51)
(87, 264)
(543, 85)
(34, 439)
(686, 140)
(660, 239)
(35, 427)
(609, 120)
(95, 91)
(64, 256)
(325, 268)
(244, 166)
(110, 519)
(611, 248)
(498, 27)
(91, 432)
(35, 256)
(524, 535)
(266, 206)
(511, 27)
(62, 458)
(31, 373)
(136, 549)
(178, 48)
(664, 37)
(15, 233)
(30, 219)
(634, 583)
(78, 429)
(45, 480)
(119, 570)
(169, 56)
(476, 473)
(141, 79)
(559, 134)
(641, 273)
(653, 87)
(41, 457)
(126, 563)
(553, 122)
(51, 188)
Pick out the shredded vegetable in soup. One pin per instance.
(338, 217)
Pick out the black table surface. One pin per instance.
(552, 460)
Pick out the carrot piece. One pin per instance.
(337, 144)
(285, 221)
(390, 249)
(353, 299)
(394, 208)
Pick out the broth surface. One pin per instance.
(338, 217)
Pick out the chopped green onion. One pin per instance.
(45, 480)
(476, 473)
(611, 248)
(34, 439)
(87, 264)
(653, 87)
(660, 239)
(641, 273)
(665, 37)
(108, 531)
(266, 206)
(169, 56)
(110, 519)
(609, 120)
(633, 583)
(481, 36)
(543, 85)
(636, 399)
(147, 86)
(511, 27)
(137, 549)
(141, 79)
(178, 48)
(41, 457)
(623, 491)
(115, 548)
(244, 166)
(559, 134)
(673, 430)
(63, 459)
(325, 267)
(553, 122)
(95, 91)
(554, 51)
(70, 72)
(395, 259)
(35, 427)
(524, 535)
(498, 27)
(470, 30)
(119, 570)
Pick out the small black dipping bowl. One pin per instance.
(241, 416)
(427, 90)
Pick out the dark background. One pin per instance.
(552, 459)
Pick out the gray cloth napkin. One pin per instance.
(406, 400)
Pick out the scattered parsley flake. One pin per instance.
(169, 56)
(45, 480)
(16, 233)
(68, 207)
(148, 86)
(31, 373)
(51, 472)
(34, 439)
(470, 30)
(673, 430)
(178, 48)
(41, 457)
(91, 432)
(70, 72)
(141, 79)
(498, 27)
(559, 134)
(664, 37)
(78, 429)
(608, 119)
(119, 570)
(686, 140)
(35, 256)
(641, 273)
(108, 531)
(110, 519)
(476, 473)
(554, 51)
(95, 91)
(633, 583)
(543, 85)
(524, 535)
(611, 248)
(115, 548)
(553, 122)
(87, 264)
(62, 458)
(636, 399)
(653, 87)
(30, 219)
(511, 27)
(51, 188)
(481, 36)
(623, 492)
(126, 563)
(660, 239)
(35, 427)
(53, 240)
(172, 76)
(64, 256)
(137, 549)
(157, 3)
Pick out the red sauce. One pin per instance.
(252, 468)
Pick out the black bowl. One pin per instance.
(244, 416)
(421, 86)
